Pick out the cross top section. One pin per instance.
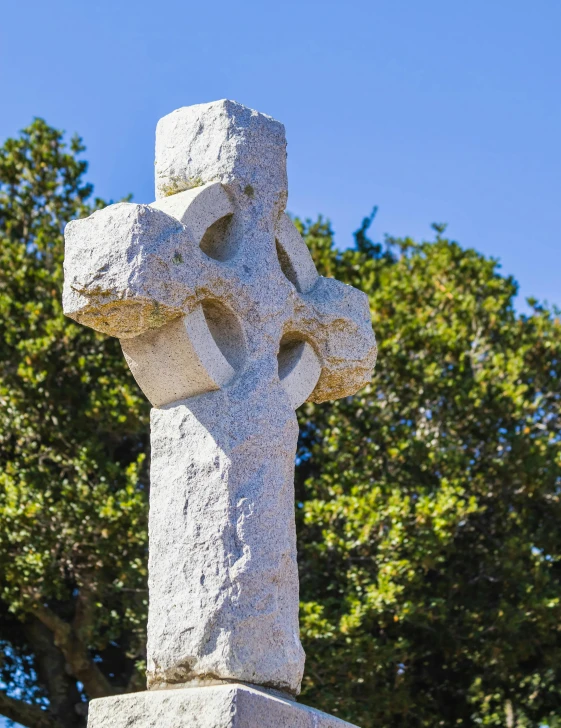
(212, 284)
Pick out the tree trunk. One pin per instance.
(66, 705)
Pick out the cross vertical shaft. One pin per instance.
(223, 572)
(224, 587)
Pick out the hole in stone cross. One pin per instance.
(218, 241)
(226, 332)
(290, 351)
(286, 266)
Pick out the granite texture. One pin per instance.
(227, 328)
(223, 576)
(220, 706)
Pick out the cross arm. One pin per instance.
(125, 268)
(119, 269)
(336, 318)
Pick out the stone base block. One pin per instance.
(219, 706)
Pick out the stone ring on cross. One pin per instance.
(227, 328)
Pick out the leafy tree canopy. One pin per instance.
(427, 505)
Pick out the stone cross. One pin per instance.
(227, 328)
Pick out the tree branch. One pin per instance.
(75, 653)
(31, 716)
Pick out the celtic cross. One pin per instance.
(227, 328)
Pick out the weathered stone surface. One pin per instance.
(227, 328)
(223, 142)
(223, 576)
(220, 706)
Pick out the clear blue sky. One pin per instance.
(438, 110)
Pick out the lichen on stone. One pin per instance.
(179, 184)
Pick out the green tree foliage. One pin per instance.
(72, 447)
(427, 505)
